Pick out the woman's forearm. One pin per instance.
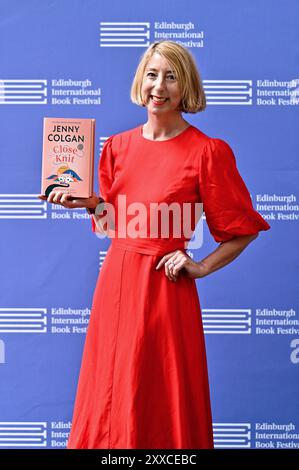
(224, 254)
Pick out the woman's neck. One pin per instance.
(156, 128)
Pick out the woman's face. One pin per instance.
(160, 81)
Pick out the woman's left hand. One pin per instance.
(177, 260)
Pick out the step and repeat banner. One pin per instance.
(74, 59)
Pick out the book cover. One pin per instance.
(68, 156)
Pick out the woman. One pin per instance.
(144, 379)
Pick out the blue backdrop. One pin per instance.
(77, 59)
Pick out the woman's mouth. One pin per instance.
(158, 101)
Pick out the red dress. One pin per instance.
(144, 380)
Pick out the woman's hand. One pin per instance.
(175, 262)
(67, 200)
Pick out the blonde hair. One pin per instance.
(186, 71)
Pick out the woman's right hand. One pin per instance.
(67, 200)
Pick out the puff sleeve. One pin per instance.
(226, 200)
(105, 173)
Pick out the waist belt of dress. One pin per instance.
(149, 246)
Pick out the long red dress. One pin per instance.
(144, 380)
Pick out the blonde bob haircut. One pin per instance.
(186, 72)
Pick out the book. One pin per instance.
(68, 156)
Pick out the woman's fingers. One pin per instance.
(178, 265)
(64, 199)
(163, 260)
(55, 197)
(168, 272)
(169, 261)
(170, 265)
(51, 197)
(58, 197)
(68, 201)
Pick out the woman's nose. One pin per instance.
(160, 82)
(159, 85)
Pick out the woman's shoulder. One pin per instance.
(207, 145)
(208, 140)
(124, 134)
(116, 139)
(213, 152)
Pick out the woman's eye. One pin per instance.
(169, 76)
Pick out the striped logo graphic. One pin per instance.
(103, 254)
(226, 321)
(102, 140)
(23, 91)
(124, 34)
(2, 352)
(22, 206)
(23, 320)
(232, 435)
(223, 92)
(19, 434)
